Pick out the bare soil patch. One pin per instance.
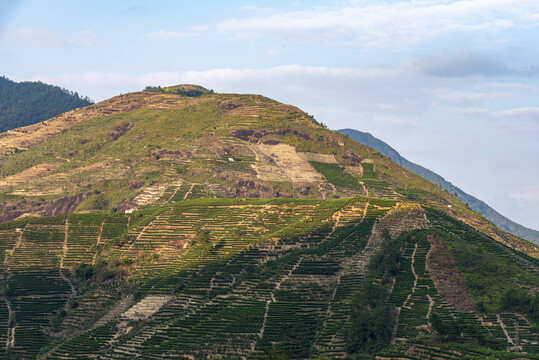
(446, 277)
(29, 174)
(285, 164)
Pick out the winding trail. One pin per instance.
(502, 325)
(10, 340)
(272, 299)
(339, 275)
(140, 234)
(188, 192)
(415, 276)
(431, 304)
(73, 293)
(98, 241)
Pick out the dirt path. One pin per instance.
(287, 276)
(188, 192)
(10, 330)
(10, 340)
(272, 299)
(140, 234)
(98, 241)
(502, 325)
(73, 293)
(431, 304)
(339, 275)
(64, 246)
(415, 277)
(173, 194)
(329, 311)
(364, 188)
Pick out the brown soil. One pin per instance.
(35, 172)
(282, 163)
(120, 131)
(446, 277)
(61, 206)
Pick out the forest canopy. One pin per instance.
(27, 103)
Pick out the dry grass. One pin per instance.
(288, 161)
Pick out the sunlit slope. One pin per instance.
(155, 147)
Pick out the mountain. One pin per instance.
(177, 223)
(475, 204)
(27, 103)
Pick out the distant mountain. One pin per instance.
(27, 103)
(475, 204)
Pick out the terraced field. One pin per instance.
(233, 278)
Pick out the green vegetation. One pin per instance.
(216, 258)
(279, 276)
(27, 103)
(492, 271)
(335, 174)
(184, 90)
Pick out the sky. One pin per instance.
(453, 85)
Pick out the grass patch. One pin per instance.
(335, 175)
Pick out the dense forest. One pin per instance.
(27, 103)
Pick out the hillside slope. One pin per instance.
(475, 204)
(27, 103)
(153, 147)
(262, 278)
(177, 223)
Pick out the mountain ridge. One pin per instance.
(475, 204)
(27, 103)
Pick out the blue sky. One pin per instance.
(451, 84)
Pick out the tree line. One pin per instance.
(27, 103)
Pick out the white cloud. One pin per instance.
(523, 113)
(459, 98)
(530, 193)
(376, 23)
(473, 112)
(46, 38)
(165, 35)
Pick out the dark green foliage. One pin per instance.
(28, 103)
(99, 202)
(84, 271)
(184, 90)
(232, 296)
(370, 320)
(370, 178)
(519, 300)
(335, 174)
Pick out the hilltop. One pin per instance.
(181, 223)
(27, 103)
(475, 204)
(148, 148)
